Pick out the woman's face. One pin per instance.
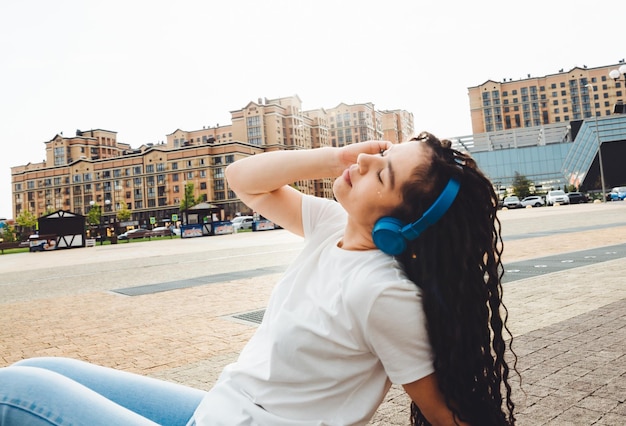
(372, 188)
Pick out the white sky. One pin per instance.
(144, 68)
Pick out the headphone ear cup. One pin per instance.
(387, 235)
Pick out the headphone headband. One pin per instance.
(390, 234)
(434, 213)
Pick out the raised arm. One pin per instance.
(262, 181)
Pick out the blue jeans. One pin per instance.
(62, 391)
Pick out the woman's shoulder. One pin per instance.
(321, 213)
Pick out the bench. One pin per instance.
(161, 233)
(138, 236)
(10, 245)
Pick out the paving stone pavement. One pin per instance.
(569, 326)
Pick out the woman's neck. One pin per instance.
(356, 237)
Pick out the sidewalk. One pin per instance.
(568, 326)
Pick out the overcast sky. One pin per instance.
(144, 68)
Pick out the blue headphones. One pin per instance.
(390, 234)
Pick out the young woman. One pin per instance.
(399, 282)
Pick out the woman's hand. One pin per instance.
(349, 154)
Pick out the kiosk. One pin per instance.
(67, 228)
(202, 220)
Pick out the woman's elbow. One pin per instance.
(231, 176)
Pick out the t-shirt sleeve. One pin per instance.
(396, 330)
(321, 214)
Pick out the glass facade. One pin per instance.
(540, 164)
(593, 133)
(555, 165)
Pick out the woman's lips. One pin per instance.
(346, 176)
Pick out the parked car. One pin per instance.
(161, 231)
(134, 233)
(556, 197)
(618, 193)
(242, 222)
(512, 202)
(533, 200)
(577, 197)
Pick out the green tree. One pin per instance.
(521, 185)
(124, 213)
(26, 220)
(8, 235)
(94, 215)
(189, 200)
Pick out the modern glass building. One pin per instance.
(581, 167)
(553, 156)
(540, 164)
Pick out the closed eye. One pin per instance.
(382, 154)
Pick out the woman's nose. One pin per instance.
(365, 161)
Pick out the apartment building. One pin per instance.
(93, 167)
(551, 99)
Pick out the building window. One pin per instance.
(59, 156)
(137, 170)
(150, 168)
(174, 166)
(189, 175)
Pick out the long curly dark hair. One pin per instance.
(456, 263)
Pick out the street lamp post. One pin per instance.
(595, 118)
(93, 205)
(109, 208)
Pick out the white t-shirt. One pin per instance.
(339, 328)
